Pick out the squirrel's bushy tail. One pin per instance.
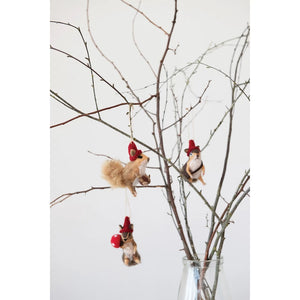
(112, 172)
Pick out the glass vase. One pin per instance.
(203, 281)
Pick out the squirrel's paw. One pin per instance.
(144, 180)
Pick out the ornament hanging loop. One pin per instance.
(130, 122)
(127, 205)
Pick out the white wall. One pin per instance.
(83, 263)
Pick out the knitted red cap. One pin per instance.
(133, 151)
(192, 147)
(126, 226)
(116, 240)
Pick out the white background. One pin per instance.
(25, 165)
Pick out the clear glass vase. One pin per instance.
(203, 281)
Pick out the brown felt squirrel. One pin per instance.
(125, 240)
(194, 168)
(130, 256)
(129, 175)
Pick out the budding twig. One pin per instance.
(147, 18)
(65, 196)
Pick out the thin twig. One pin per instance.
(222, 120)
(234, 52)
(89, 67)
(170, 195)
(58, 98)
(103, 155)
(190, 109)
(136, 45)
(88, 59)
(227, 222)
(167, 99)
(65, 196)
(227, 76)
(147, 18)
(109, 157)
(197, 61)
(106, 57)
(228, 143)
(185, 214)
(100, 110)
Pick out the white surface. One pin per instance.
(83, 263)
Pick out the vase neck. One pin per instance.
(202, 263)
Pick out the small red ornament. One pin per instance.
(133, 151)
(192, 147)
(116, 240)
(126, 227)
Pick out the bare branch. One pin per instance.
(242, 184)
(190, 109)
(227, 222)
(100, 110)
(239, 190)
(136, 45)
(183, 198)
(147, 18)
(88, 59)
(170, 195)
(235, 50)
(197, 62)
(104, 56)
(103, 155)
(228, 142)
(213, 234)
(158, 118)
(227, 76)
(223, 118)
(68, 105)
(65, 196)
(109, 157)
(89, 67)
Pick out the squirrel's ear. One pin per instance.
(132, 152)
(121, 226)
(131, 226)
(186, 150)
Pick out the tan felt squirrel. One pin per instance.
(129, 175)
(193, 169)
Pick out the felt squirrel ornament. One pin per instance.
(125, 241)
(129, 175)
(194, 168)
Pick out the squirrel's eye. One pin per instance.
(140, 156)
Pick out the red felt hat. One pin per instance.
(192, 147)
(126, 226)
(133, 151)
(116, 240)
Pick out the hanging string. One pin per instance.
(193, 127)
(130, 122)
(189, 132)
(127, 205)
